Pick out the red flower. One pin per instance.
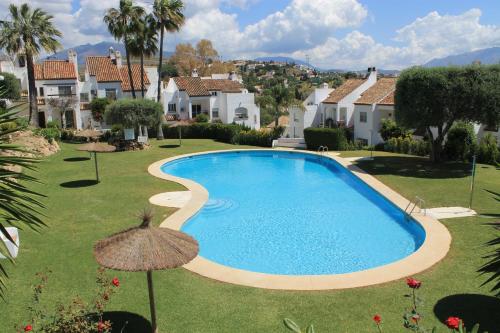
(116, 282)
(28, 328)
(377, 319)
(100, 326)
(412, 283)
(415, 318)
(453, 322)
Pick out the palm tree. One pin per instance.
(18, 204)
(169, 17)
(120, 22)
(144, 42)
(27, 33)
(283, 98)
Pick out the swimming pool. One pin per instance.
(292, 214)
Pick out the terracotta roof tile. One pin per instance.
(103, 69)
(389, 99)
(196, 86)
(55, 70)
(378, 91)
(341, 92)
(136, 75)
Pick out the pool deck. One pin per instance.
(434, 249)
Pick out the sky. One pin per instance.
(344, 34)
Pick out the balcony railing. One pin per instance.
(84, 106)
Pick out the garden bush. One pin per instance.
(218, 132)
(389, 129)
(333, 138)
(202, 118)
(52, 124)
(461, 142)
(98, 107)
(51, 134)
(11, 125)
(488, 151)
(10, 86)
(258, 138)
(407, 145)
(22, 122)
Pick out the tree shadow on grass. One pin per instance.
(79, 183)
(170, 146)
(76, 159)
(472, 309)
(127, 322)
(413, 166)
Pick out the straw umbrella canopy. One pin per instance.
(95, 148)
(89, 134)
(179, 125)
(144, 249)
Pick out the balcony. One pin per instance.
(40, 101)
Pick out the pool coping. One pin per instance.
(435, 247)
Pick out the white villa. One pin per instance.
(219, 99)
(16, 66)
(374, 105)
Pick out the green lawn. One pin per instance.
(79, 216)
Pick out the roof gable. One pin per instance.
(378, 91)
(341, 92)
(55, 70)
(105, 70)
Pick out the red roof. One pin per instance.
(341, 92)
(55, 70)
(196, 86)
(105, 70)
(378, 91)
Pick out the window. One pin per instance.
(93, 92)
(196, 110)
(41, 92)
(215, 113)
(241, 113)
(84, 97)
(214, 93)
(64, 90)
(172, 108)
(111, 94)
(363, 117)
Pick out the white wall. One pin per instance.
(370, 130)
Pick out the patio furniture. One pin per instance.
(95, 148)
(13, 248)
(144, 249)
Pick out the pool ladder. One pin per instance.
(417, 202)
(323, 150)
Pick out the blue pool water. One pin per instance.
(292, 214)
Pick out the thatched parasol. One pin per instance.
(179, 125)
(95, 148)
(89, 134)
(144, 249)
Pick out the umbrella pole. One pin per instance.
(96, 169)
(180, 136)
(152, 302)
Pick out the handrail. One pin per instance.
(322, 150)
(421, 206)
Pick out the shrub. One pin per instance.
(50, 133)
(9, 126)
(98, 107)
(389, 129)
(260, 138)
(202, 118)
(10, 86)
(488, 151)
(133, 112)
(333, 138)
(22, 122)
(407, 145)
(52, 124)
(460, 142)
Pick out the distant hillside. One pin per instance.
(486, 56)
(102, 48)
(282, 59)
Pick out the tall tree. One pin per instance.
(283, 98)
(26, 32)
(169, 17)
(435, 98)
(206, 52)
(144, 43)
(120, 22)
(185, 59)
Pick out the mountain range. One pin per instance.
(485, 56)
(86, 50)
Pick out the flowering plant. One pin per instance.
(79, 316)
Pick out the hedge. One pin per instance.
(333, 138)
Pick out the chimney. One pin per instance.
(324, 86)
(233, 76)
(112, 55)
(372, 73)
(118, 59)
(194, 73)
(72, 58)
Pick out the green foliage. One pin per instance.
(389, 129)
(19, 206)
(10, 86)
(8, 126)
(134, 112)
(488, 151)
(333, 138)
(438, 97)
(260, 138)
(202, 118)
(292, 326)
(407, 145)
(51, 134)
(52, 124)
(98, 107)
(461, 142)
(22, 122)
(168, 70)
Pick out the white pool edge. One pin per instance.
(434, 249)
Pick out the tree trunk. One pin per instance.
(142, 75)
(160, 135)
(160, 62)
(436, 145)
(129, 66)
(33, 106)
